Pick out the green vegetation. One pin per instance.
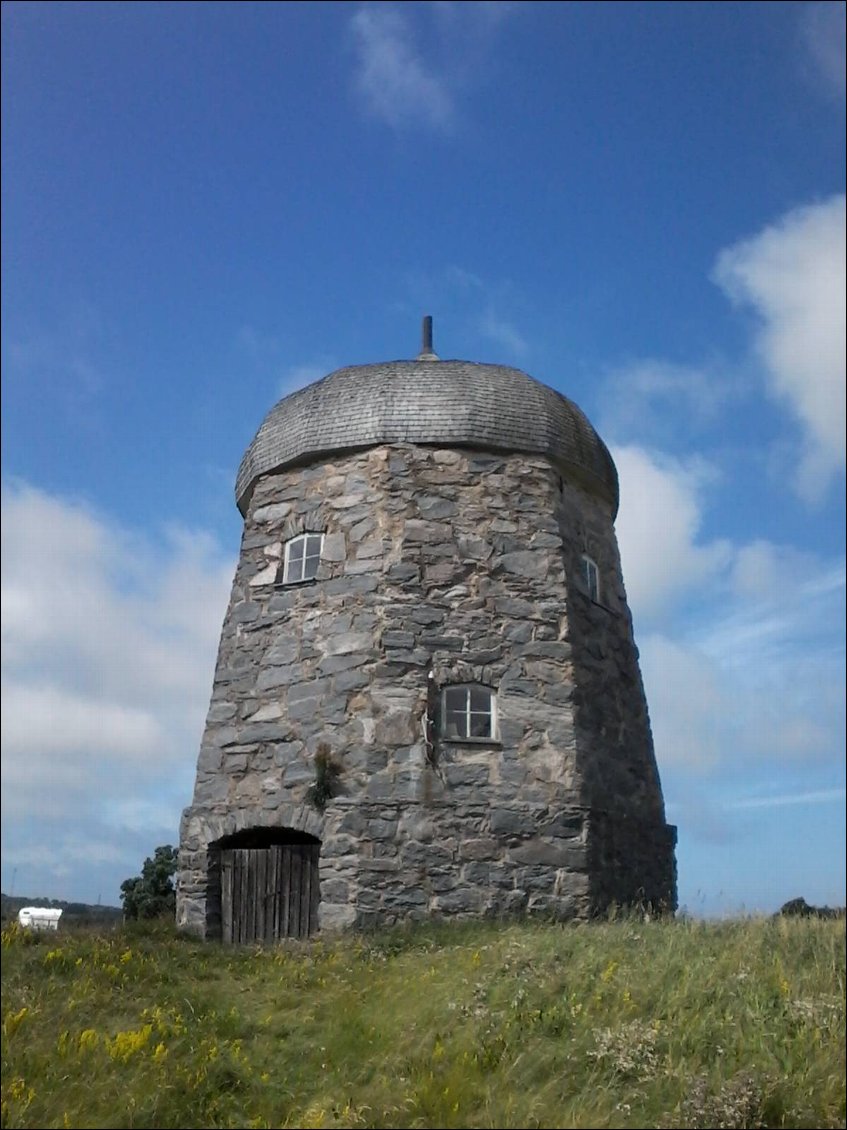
(622, 1023)
(327, 774)
(151, 894)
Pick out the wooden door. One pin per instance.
(269, 893)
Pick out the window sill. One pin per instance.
(471, 741)
(596, 603)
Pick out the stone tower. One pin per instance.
(427, 698)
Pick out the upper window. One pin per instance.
(591, 577)
(302, 557)
(468, 713)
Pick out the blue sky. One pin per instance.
(206, 206)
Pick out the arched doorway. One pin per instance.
(269, 885)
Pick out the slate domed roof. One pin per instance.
(429, 401)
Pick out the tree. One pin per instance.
(151, 894)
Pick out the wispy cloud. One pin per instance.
(413, 64)
(754, 685)
(654, 397)
(64, 358)
(788, 608)
(822, 34)
(393, 79)
(781, 800)
(741, 643)
(260, 347)
(503, 333)
(266, 351)
(793, 275)
(483, 308)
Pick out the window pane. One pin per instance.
(468, 712)
(310, 567)
(455, 698)
(302, 558)
(592, 578)
(455, 723)
(480, 726)
(480, 699)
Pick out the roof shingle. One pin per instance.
(442, 403)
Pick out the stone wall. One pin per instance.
(438, 566)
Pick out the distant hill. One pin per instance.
(77, 912)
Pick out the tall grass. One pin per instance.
(624, 1024)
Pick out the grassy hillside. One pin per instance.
(625, 1024)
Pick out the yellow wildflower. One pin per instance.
(14, 1020)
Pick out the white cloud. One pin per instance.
(715, 715)
(792, 274)
(657, 397)
(741, 642)
(462, 279)
(503, 333)
(747, 671)
(412, 75)
(143, 815)
(394, 81)
(792, 598)
(781, 800)
(259, 347)
(658, 528)
(66, 359)
(822, 31)
(109, 641)
(475, 305)
(759, 685)
(40, 721)
(98, 606)
(687, 701)
(481, 16)
(266, 353)
(761, 570)
(66, 853)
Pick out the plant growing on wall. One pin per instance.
(327, 774)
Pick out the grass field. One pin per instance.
(614, 1024)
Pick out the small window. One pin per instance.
(591, 577)
(302, 557)
(468, 713)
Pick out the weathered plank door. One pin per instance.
(269, 893)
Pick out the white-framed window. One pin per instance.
(302, 557)
(468, 713)
(591, 577)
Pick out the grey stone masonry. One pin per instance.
(441, 565)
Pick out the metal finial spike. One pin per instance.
(426, 353)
